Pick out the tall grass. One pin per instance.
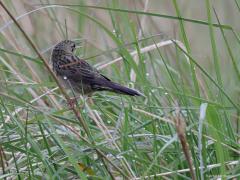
(186, 126)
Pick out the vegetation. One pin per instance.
(183, 56)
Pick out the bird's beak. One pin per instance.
(78, 42)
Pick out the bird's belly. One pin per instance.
(77, 87)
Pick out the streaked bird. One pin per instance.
(80, 75)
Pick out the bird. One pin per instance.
(79, 75)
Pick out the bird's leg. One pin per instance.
(72, 102)
(89, 99)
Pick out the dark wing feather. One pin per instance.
(105, 77)
(80, 71)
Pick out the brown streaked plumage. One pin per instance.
(81, 76)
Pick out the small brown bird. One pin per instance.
(80, 75)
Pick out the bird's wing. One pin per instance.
(82, 72)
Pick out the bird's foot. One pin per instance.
(72, 102)
(90, 100)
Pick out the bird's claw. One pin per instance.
(72, 102)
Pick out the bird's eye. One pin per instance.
(73, 47)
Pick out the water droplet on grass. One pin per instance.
(119, 157)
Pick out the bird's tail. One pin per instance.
(114, 87)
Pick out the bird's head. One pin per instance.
(67, 46)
